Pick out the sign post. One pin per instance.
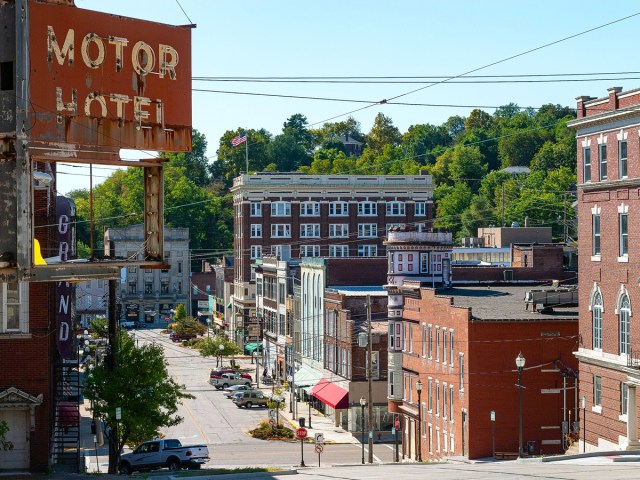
(301, 433)
(493, 432)
(396, 427)
(319, 439)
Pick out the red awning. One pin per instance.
(331, 394)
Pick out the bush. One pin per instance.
(266, 431)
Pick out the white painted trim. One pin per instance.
(550, 390)
(622, 208)
(623, 259)
(595, 210)
(550, 442)
(586, 143)
(550, 427)
(602, 139)
(595, 258)
(622, 135)
(597, 409)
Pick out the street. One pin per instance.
(212, 419)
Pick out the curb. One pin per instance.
(241, 476)
(560, 458)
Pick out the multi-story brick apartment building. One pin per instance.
(296, 215)
(607, 131)
(150, 295)
(461, 344)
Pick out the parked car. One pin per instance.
(169, 453)
(141, 324)
(127, 324)
(228, 379)
(178, 337)
(250, 398)
(228, 392)
(217, 373)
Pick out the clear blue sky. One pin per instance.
(386, 38)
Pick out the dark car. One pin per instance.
(178, 337)
(141, 324)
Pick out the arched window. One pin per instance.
(596, 315)
(624, 314)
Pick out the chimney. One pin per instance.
(581, 109)
(613, 97)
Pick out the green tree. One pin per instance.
(296, 126)
(210, 347)
(287, 153)
(383, 132)
(452, 201)
(423, 143)
(195, 162)
(4, 443)
(140, 385)
(181, 313)
(230, 161)
(554, 155)
(333, 131)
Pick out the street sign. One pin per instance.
(493, 416)
(396, 422)
(301, 433)
(118, 413)
(319, 438)
(319, 449)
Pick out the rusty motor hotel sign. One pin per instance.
(107, 81)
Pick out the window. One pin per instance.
(255, 210)
(310, 230)
(367, 230)
(586, 154)
(281, 209)
(430, 341)
(367, 208)
(461, 371)
(622, 158)
(624, 398)
(148, 288)
(395, 208)
(420, 209)
(430, 393)
(179, 267)
(597, 391)
(424, 419)
(283, 252)
(603, 161)
(309, 250)
(338, 250)
(625, 315)
(444, 345)
(595, 221)
(256, 230)
(133, 287)
(281, 230)
(337, 209)
(256, 251)
(451, 354)
(410, 338)
(424, 263)
(437, 344)
(367, 250)
(309, 209)
(451, 403)
(424, 340)
(437, 398)
(338, 230)
(624, 234)
(180, 288)
(444, 400)
(596, 314)
(13, 305)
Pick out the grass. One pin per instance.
(227, 471)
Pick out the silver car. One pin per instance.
(230, 391)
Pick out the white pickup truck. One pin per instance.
(169, 453)
(228, 379)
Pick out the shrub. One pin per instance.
(266, 431)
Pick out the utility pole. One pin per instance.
(566, 227)
(369, 379)
(114, 450)
(503, 204)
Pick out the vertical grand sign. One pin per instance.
(66, 248)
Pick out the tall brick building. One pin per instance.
(608, 217)
(296, 215)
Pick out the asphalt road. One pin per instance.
(212, 419)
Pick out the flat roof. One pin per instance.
(503, 303)
(359, 290)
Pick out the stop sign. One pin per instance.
(396, 422)
(301, 433)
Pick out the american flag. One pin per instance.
(239, 140)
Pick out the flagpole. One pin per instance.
(246, 152)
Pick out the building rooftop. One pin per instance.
(503, 303)
(359, 291)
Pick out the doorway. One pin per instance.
(17, 457)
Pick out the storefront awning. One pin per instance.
(306, 377)
(331, 394)
(253, 346)
(229, 305)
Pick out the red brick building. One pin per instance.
(462, 344)
(608, 212)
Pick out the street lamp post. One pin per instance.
(419, 390)
(363, 402)
(584, 424)
(221, 348)
(520, 361)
